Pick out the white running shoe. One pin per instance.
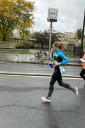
(76, 91)
(46, 99)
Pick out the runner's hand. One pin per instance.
(56, 63)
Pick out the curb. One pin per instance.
(34, 74)
(44, 62)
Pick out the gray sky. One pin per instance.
(70, 15)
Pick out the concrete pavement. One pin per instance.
(21, 105)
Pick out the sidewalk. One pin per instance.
(38, 69)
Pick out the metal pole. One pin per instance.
(50, 38)
(82, 36)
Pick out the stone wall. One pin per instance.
(5, 44)
(13, 57)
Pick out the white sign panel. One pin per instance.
(52, 14)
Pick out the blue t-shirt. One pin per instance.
(59, 57)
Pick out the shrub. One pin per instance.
(23, 45)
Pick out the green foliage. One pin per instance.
(79, 33)
(43, 38)
(15, 14)
(23, 45)
(14, 51)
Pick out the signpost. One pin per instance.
(52, 17)
(82, 37)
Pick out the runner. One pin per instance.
(58, 60)
(82, 73)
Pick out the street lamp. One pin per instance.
(82, 37)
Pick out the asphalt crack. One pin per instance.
(40, 109)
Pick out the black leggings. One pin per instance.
(57, 77)
(82, 73)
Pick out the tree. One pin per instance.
(79, 33)
(6, 17)
(15, 14)
(43, 37)
(25, 16)
(40, 38)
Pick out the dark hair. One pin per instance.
(60, 45)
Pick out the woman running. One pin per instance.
(59, 56)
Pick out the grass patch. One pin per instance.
(69, 54)
(15, 50)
